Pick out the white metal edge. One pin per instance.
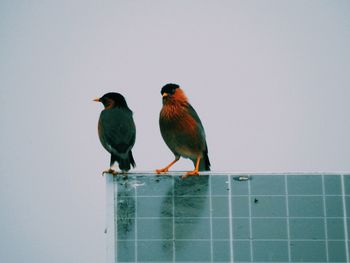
(214, 173)
(110, 231)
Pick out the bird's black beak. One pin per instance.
(97, 100)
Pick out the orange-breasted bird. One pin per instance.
(117, 131)
(182, 130)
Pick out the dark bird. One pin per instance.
(182, 130)
(117, 132)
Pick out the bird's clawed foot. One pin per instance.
(110, 171)
(164, 170)
(194, 172)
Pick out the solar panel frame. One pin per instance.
(243, 214)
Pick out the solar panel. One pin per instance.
(228, 218)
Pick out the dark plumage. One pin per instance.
(116, 130)
(182, 129)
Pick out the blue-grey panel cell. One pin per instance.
(123, 177)
(239, 187)
(270, 251)
(306, 206)
(336, 251)
(306, 228)
(240, 206)
(192, 251)
(157, 228)
(240, 228)
(154, 207)
(124, 185)
(221, 251)
(334, 206)
(125, 207)
(219, 207)
(347, 184)
(192, 228)
(191, 207)
(125, 251)
(155, 186)
(267, 185)
(221, 228)
(192, 186)
(335, 228)
(125, 228)
(308, 251)
(115, 179)
(154, 251)
(332, 185)
(347, 205)
(268, 206)
(304, 184)
(267, 228)
(219, 185)
(241, 251)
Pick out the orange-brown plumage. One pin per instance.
(182, 129)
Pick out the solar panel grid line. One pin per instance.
(230, 211)
(287, 215)
(325, 216)
(242, 195)
(240, 217)
(173, 219)
(345, 217)
(250, 224)
(234, 239)
(235, 262)
(136, 237)
(211, 222)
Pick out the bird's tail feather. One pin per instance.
(124, 164)
(131, 159)
(204, 164)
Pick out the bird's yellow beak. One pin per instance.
(97, 100)
(165, 94)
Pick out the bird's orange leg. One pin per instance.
(195, 171)
(166, 168)
(110, 171)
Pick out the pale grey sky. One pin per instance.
(269, 79)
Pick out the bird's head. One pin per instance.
(112, 100)
(172, 93)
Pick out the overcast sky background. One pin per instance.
(269, 79)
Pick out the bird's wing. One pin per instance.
(195, 116)
(119, 130)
